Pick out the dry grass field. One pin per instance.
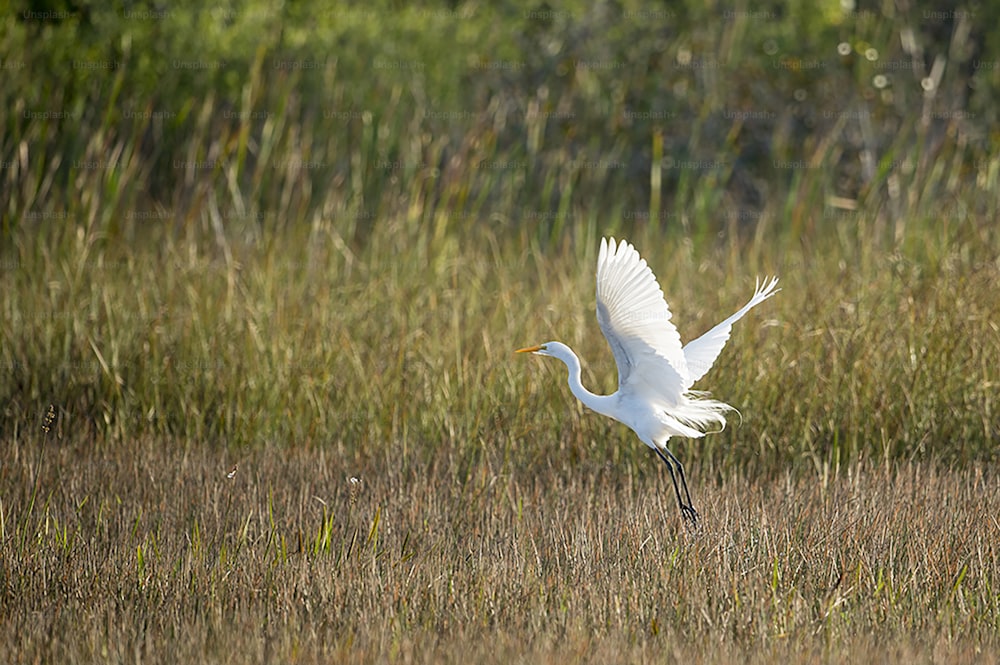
(152, 553)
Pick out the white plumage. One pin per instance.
(655, 372)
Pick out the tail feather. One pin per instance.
(698, 416)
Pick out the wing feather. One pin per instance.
(635, 319)
(701, 353)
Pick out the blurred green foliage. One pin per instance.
(691, 115)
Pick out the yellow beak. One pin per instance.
(529, 349)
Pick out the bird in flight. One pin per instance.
(655, 373)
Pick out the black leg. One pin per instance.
(684, 484)
(687, 507)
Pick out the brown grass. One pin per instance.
(154, 555)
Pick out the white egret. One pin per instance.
(655, 373)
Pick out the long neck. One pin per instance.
(599, 403)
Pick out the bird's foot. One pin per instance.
(691, 518)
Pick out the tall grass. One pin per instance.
(406, 344)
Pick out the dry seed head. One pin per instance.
(50, 417)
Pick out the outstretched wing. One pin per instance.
(701, 353)
(635, 319)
